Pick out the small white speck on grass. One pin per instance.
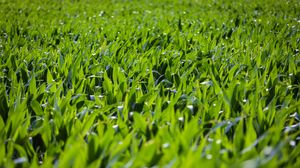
(20, 160)
(174, 91)
(115, 127)
(209, 156)
(181, 119)
(190, 107)
(113, 117)
(30, 140)
(92, 97)
(131, 114)
(101, 14)
(166, 145)
(120, 108)
(293, 143)
(266, 108)
(97, 107)
(45, 105)
(208, 83)
(294, 114)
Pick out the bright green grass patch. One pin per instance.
(149, 83)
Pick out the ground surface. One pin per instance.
(149, 83)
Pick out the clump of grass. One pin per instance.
(145, 84)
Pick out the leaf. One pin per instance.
(36, 108)
(32, 85)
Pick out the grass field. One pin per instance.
(150, 83)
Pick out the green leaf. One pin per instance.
(36, 108)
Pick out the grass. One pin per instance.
(149, 83)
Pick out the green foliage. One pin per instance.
(149, 83)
